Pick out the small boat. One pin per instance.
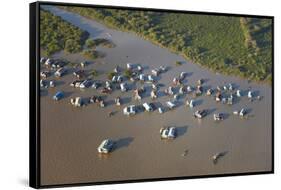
(191, 103)
(200, 82)
(243, 112)
(106, 146)
(139, 68)
(102, 104)
(168, 133)
(52, 84)
(171, 104)
(129, 110)
(218, 116)
(209, 92)
(238, 93)
(58, 96)
(216, 157)
(118, 101)
(123, 87)
(160, 110)
(250, 94)
(200, 114)
(235, 112)
(189, 89)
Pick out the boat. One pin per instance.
(238, 93)
(200, 114)
(209, 92)
(218, 116)
(191, 103)
(58, 96)
(60, 72)
(250, 94)
(129, 110)
(171, 104)
(85, 84)
(106, 146)
(123, 87)
(77, 102)
(168, 133)
(160, 110)
(52, 84)
(242, 112)
(148, 107)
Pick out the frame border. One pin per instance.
(34, 96)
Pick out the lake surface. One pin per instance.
(70, 136)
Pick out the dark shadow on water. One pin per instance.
(67, 94)
(181, 130)
(144, 67)
(103, 97)
(205, 80)
(235, 100)
(168, 68)
(131, 86)
(189, 74)
(206, 87)
(256, 93)
(109, 102)
(248, 110)
(123, 142)
(160, 85)
(211, 111)
(225, 116)
(235, 86)
(126, 100)
(139, 108)
(178, 103)
(198, 102)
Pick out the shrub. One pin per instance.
(178, 63)
(110, 75)
(72, 46)
(128, 73)
(94, 73)
(90, 43)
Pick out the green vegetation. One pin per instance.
(57, 34)
(104, 42)
(229, 45)
(178, 63)
(128, 73)
(110, 75)
(94, 73)
(90, 43)
(91, 53)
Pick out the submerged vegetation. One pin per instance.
(178, 63)
(56, 34)
(94, 73)
(91, 53)
(229, 45)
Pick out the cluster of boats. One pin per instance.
(225, 94)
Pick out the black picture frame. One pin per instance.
(34, 98)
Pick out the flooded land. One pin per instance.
(70, 135)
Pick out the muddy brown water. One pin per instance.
(70, 136)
